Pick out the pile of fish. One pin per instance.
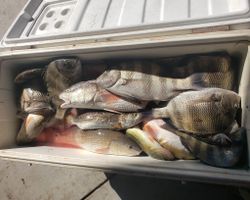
(174, 108)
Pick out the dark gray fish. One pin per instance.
(29, 74)
(60, 75)
(89, 95)
(215, 155)
(105, 120)
(208, 111)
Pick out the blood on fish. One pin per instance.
(55, 137)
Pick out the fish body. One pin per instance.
(31, 127)
(167, 139)
(149, 145)
(208, 111)
(97, 141)
(215, 155)
(105, 120)
(142, 86)
(186, 65)
(36, 102)
(89, 95)
(60, 75)
(161, 81)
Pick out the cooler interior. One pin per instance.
(142, 165)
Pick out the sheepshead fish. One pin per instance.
(60, 75)
(183, 66)
(35, 102)
(149, 145)
(167, 139)
(97, 141)
(89, 95)
(152, 81)
(31, 127)
(215, 155)
(105, 120)
(142, 86)
(208, 111)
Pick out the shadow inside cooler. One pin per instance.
(141, 165)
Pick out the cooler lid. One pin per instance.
(48, 21)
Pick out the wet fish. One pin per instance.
(215, 155)
(146, 87)
(31, 127)
(183, 66)
(167, 139)
(105, 120)
(29, 74)
(35, 102)
(151, 81)
(89, 95)
(209, 111)
(97, 141)
(149, 145)
(60, 75)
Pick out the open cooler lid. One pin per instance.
(49, 21)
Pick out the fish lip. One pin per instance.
(65, 104)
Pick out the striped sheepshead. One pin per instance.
(60, 75)
(215, 155)
(160, 81)
(209, 111)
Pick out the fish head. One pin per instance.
(69, 67)
(229, 101)
(79, 95)
(108, 78)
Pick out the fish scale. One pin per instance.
(60, 75)
(208, 111)
(89, 95)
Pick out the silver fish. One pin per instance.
(60, 75)
(97, 141)
(167, 139)
(215, 155)
(105, 120)
(209, 111)
(149, 145)
(89, 95)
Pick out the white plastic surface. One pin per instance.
(43, 20)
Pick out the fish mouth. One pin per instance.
(66, 104)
